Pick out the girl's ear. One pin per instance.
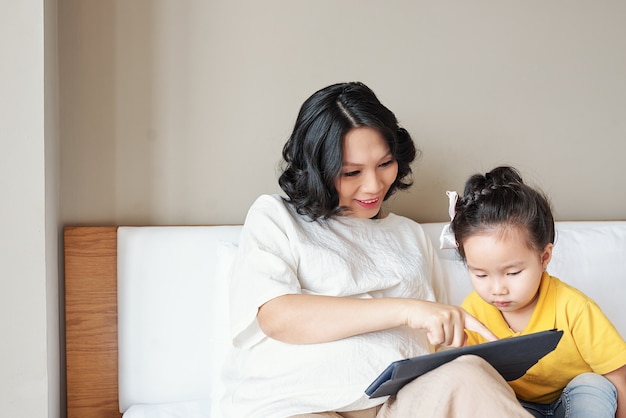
(546, 255)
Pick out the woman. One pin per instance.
(328, 288)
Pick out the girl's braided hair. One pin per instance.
(498, 199)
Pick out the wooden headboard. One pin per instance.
(91, 321)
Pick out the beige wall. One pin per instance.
(29, 276)
(175, 112)
(54, 227)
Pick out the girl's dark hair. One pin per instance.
(313, 155)
(501, 199)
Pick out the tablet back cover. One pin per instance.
(511, 357)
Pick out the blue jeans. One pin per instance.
(586, 395)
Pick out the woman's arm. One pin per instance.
(307, 319)
(618, 378)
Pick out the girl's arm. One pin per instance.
(307, 319)
(618, 378)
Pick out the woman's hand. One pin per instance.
(307, 319)
(445, 324)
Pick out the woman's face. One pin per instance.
(368, 171)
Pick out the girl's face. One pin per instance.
(504, 270)
(368, 171)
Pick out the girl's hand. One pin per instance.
(445, 324)
(618, 378)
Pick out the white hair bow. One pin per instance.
(447, 241)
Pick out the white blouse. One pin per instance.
(281, 252)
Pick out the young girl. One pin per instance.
(504, 231)
(329, 289)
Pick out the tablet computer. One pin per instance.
(511, 357)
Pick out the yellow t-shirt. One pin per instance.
(590, 343)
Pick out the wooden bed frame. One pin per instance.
(91, 321)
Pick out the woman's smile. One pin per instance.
(369, 203)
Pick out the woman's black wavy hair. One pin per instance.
(501, 198)
(312, 156)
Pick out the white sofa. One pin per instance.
(173, 305)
